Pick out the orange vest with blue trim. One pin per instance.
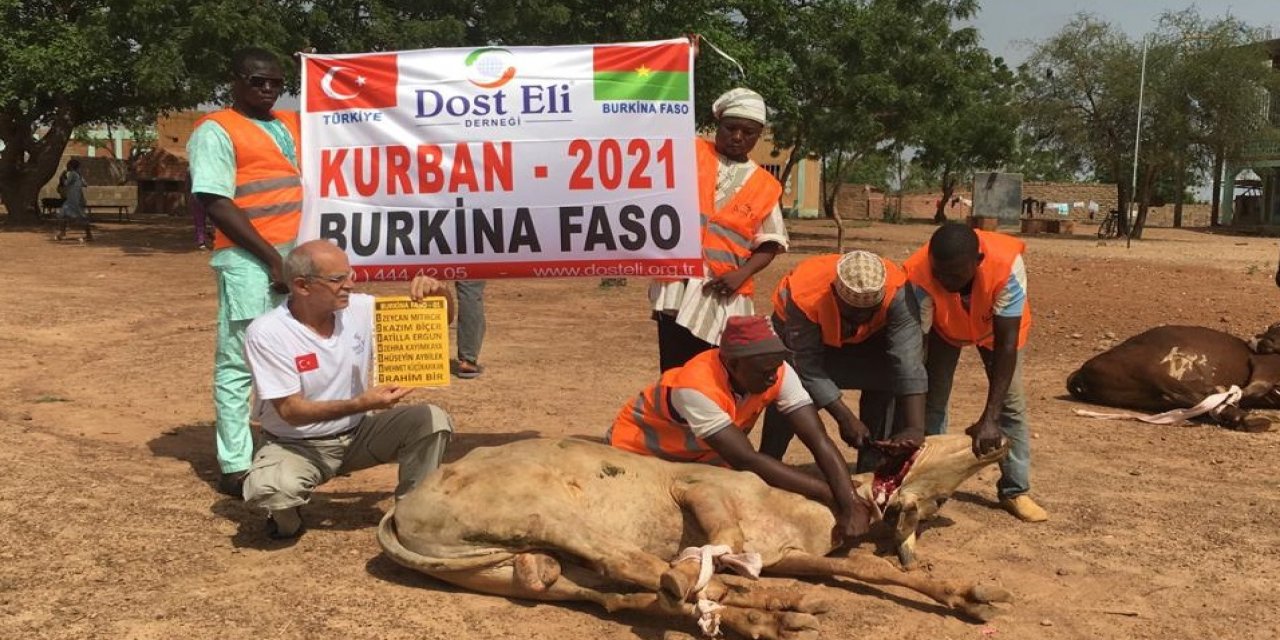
(961, 326)
(268, 186)
(810, 286)
(727, 232)
(650, 426)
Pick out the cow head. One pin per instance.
(1268, 341)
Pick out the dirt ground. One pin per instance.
(110, 528)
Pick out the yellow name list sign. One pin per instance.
(412, 342)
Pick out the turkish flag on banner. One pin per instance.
(307, 363)
(363, 82)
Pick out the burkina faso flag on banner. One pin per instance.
(642, 72)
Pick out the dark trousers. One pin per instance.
(676, 344)
(863, 366)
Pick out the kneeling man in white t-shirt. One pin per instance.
(310, 361)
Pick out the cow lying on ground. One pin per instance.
(1176, 367)
(575, 520)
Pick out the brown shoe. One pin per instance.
(1025, 509)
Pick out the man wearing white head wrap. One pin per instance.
(852, 322)
(742, 231)
(740, 103)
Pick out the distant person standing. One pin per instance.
(742, 231)
(244, 172)
(471, 327)
(71, 187)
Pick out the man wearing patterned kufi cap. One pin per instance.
(742, 231)
(852, 322)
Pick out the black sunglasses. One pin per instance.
(263, 82)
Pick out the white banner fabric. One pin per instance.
(504, 162)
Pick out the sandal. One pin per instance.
(468, 370)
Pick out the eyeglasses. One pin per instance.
(263, 82)
(334, 279)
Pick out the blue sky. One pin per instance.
(1009, 27)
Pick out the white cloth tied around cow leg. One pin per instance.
(710, 557)
(1213, 405)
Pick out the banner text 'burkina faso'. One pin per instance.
(504, 162)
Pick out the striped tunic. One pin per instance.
(703, 313)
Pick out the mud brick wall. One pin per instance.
(857, 202)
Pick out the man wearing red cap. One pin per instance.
(703, 411)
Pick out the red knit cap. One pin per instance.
(749, 336)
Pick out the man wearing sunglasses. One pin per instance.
(244, 172)
(310, 361)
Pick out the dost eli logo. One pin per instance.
(490, 67)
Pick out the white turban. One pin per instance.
(740, 103)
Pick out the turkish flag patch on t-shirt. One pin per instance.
(307, 363)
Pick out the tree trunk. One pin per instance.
(1181, 186)
(830, 209)
(27, 163)
(1219, 160)
(832, 181)
(793, 159)
(1146, 179)
(948, 188)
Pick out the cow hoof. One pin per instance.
(770, 594)
(768, 625)
(677, 583)
(979, 601)
(1254, 424)
(536, 571)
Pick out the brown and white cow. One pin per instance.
(1175, 367)
(570, 520)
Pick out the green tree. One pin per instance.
(974, 128)
(1201, 101)
(844, 78)
(67, 63)
(1081, 97)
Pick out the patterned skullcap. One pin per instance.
(740, 103)
(860, 279)
(749, 336)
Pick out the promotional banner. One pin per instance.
(504, 162)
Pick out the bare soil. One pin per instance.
(110, 528)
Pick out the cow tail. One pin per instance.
(1076, 386)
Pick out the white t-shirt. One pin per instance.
(706, 418)
(287, 357)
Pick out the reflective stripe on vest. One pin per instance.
(649, 425)
(809, 288)
(951, 320)
(268, 186)
(727, 232)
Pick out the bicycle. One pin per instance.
(1110, 227)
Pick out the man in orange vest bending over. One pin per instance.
(852, 322)
(972, 287)
(244, 171)
(703, 411)
(742, 231)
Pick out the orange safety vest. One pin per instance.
(810, 287)
(268, 186)
(727, 233)
(952, 321)
(650, 426)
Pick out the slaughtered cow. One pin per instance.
(571, 520)
(1176, 367)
